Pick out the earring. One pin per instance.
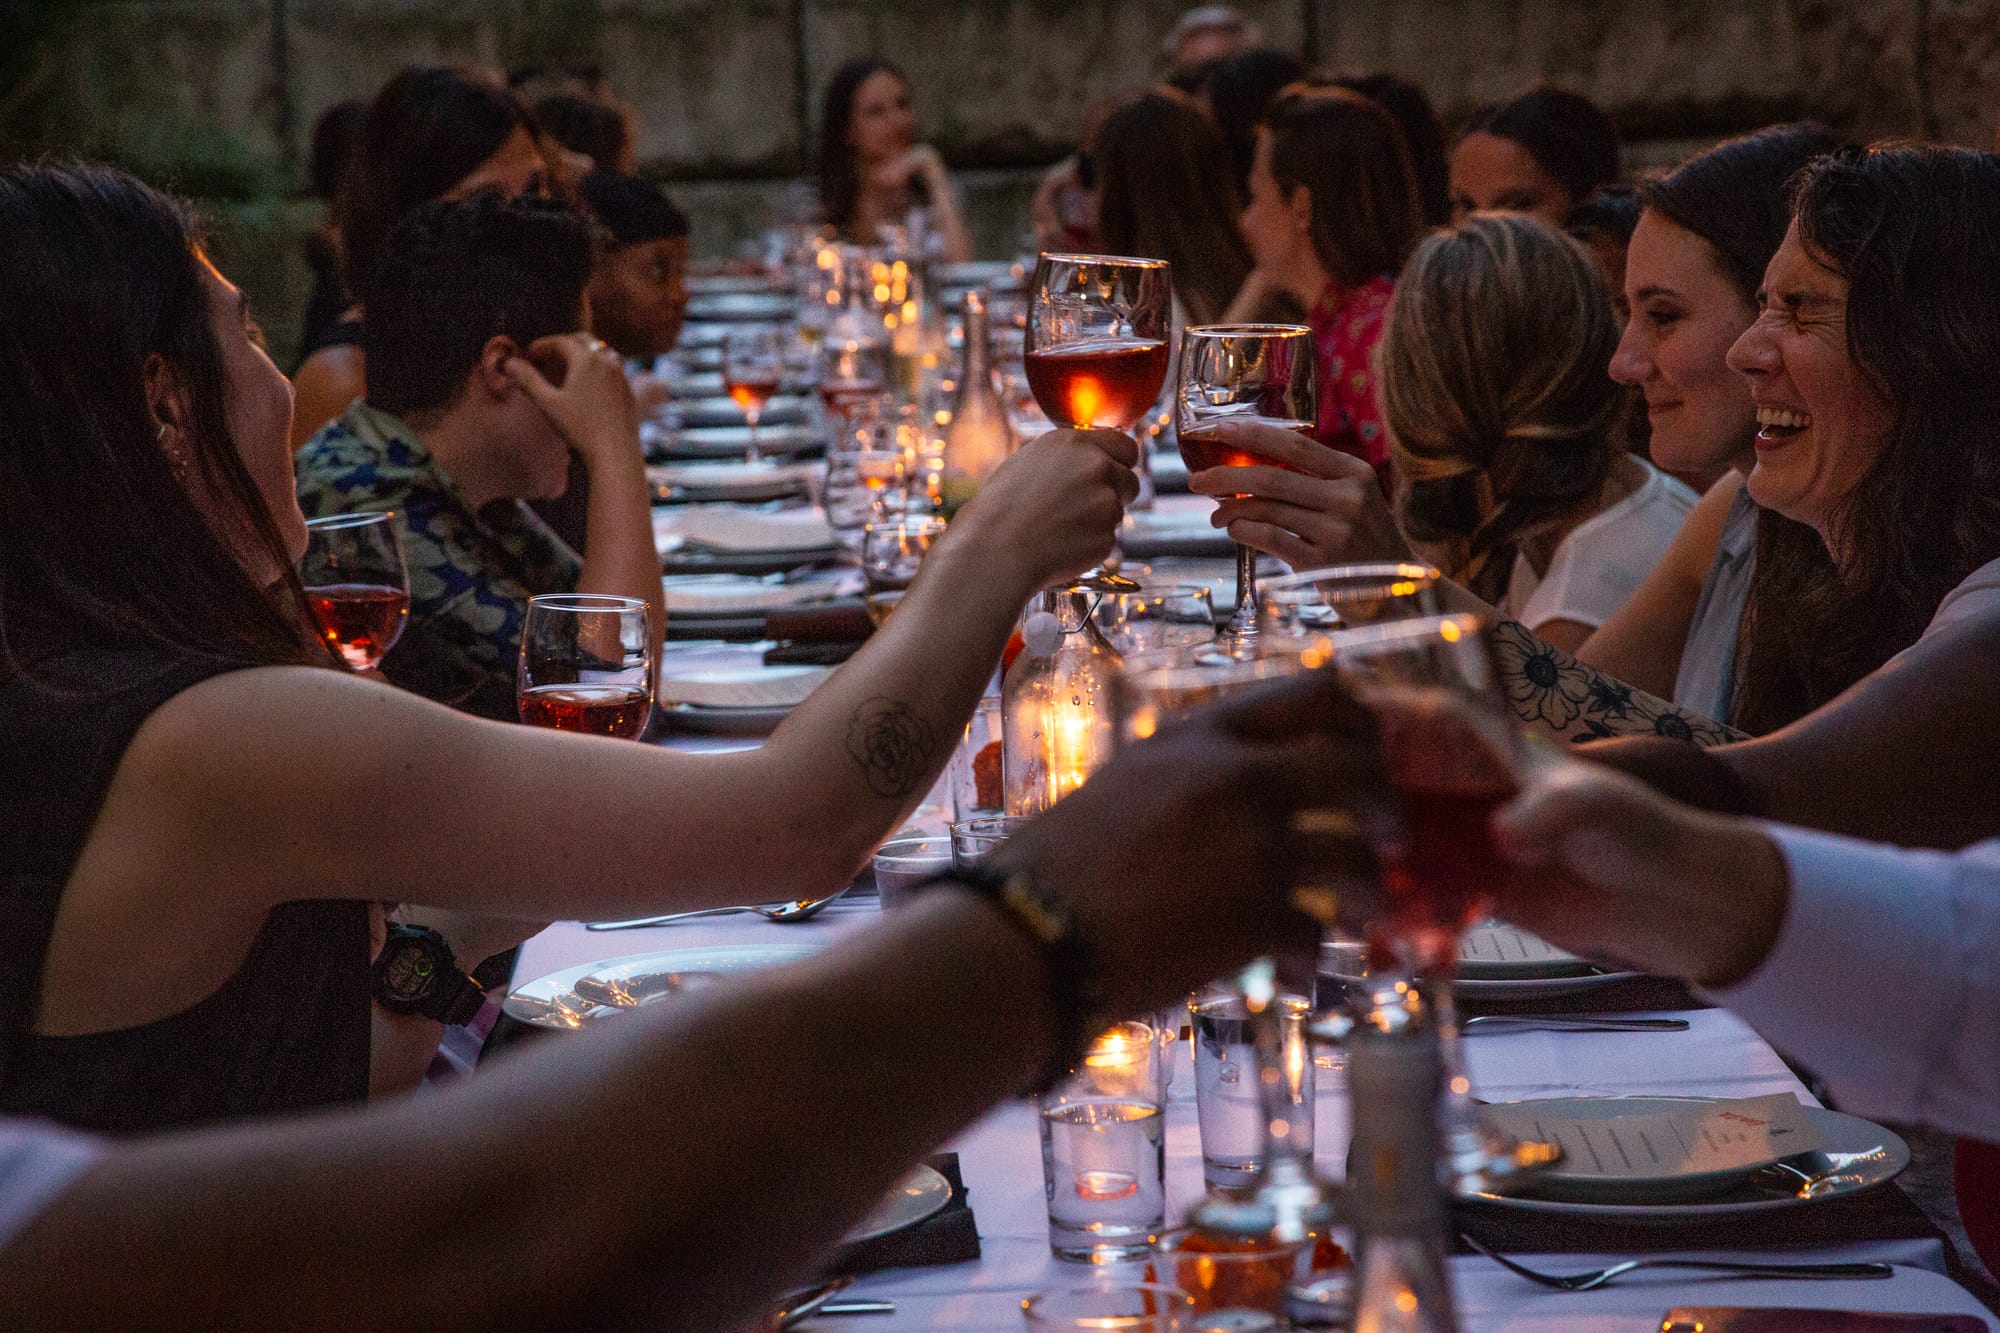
(177, 461)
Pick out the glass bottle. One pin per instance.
(979, 438)
(1055, 703)
(1395, 1077)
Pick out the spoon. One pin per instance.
(799, 909)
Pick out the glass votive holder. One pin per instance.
(1103, 1133)
(1229, 1104)
(973, 840)
(901, 864)
(1247, 1278)
(977, 785)
(1143, 1307)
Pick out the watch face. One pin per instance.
(410, 970)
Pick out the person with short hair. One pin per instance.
(598, 128)
(1543, 152)
(481, 382)
(638, 291)
(1200, 37)
(432, 132)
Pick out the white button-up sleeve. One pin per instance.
(1885, 979)
(37, 1163)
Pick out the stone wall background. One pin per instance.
(217, 97)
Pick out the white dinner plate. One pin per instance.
(635, 982)
(1859, 1153)
(1342, 960)
(915, 1197)
(747, 686)
(552, 1002)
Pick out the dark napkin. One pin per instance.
(810, 654)
(1639, 995)
(947, 1236)
(840, 621)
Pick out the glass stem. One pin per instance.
(753, 454)
(1243, 620)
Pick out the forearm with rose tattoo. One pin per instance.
(1548, 688)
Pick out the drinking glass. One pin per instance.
(883, 473)
(1139, 1307)
(1284, 1199)
(1104, 1149)
(1175, 615)
(891, 552)
(1096, 347)
(357, 584)
(975, 839)
(1228, 1100)
(901, 864)
(586, 665)
(1452, 748)
(753, 365)
(1225, 1275)
(1300, 614)
(1263, 373)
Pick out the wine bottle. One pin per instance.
(1055, 703)
(979, 438)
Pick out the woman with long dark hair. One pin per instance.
(200, 812)
(433, 132)
(1543, 152)
(1333, 213)
(1164, 192)
(872, 169)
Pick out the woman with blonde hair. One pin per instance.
(1505, 429)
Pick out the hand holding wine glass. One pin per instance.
(357, 584)
(1282, 492)
(1237, 385)
(1096, 347)
(586, 665)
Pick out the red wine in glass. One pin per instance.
(599, 710)
(1443, 879)
(1204, 446)
(1107, 383)
(751, 390)
(841, 394)
(361, 620)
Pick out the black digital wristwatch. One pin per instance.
(416, 974)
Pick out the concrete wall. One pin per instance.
(218, 96)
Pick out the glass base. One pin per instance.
(1083, 1247)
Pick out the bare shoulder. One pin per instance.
(330, 379)
(1693, 548)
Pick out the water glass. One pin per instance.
(1103, 1134)
(1142, 1307)
(973, 840)
(1177, 615)
(1229, 1105)
(977, 786)
(586, 665)
(902, 864)
(891, 551)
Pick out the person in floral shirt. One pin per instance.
(479, 387)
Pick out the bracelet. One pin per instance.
(1067, 958)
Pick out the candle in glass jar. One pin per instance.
(1120, 1062)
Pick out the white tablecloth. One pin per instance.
(1000, 1158)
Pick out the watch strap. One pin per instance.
(450, 997)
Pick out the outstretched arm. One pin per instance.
(1551, 691)
(675, 1169)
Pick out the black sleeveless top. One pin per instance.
(289, 1030)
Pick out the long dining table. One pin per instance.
(1717, 1055)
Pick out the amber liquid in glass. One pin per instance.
(751, 391)
(1444, 878)
(1109, 383)
(361, 620)
(600, 710)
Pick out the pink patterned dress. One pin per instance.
(1346, 326)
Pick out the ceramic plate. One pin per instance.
(1855, 1155)
(745, 686)
(1345, 961)
(552, 1002)
(634, 983)
(695, 721)
(915, 1198)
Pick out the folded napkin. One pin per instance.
(743, 687)
(948, 1236)
(728, 528)
(726, 476)
(719, 594)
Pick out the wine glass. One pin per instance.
(891, 552)
(1172, 615)
(1261, 373)
(586, 665)
(1096, 348)
(357, 584)
(1287, 1201)
(1452, 749)
(1299, 614)
(753, 365)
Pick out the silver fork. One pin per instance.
(1597, 1277)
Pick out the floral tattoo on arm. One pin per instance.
(892, 744)
(1548, 688)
